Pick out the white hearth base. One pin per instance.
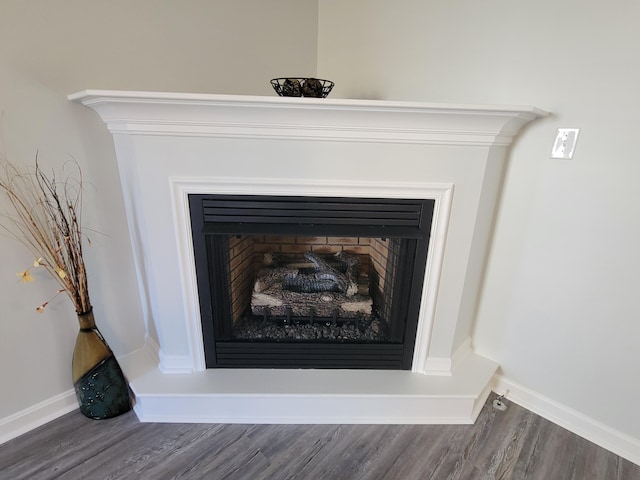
(311, 396)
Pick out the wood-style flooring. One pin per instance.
(514, 444)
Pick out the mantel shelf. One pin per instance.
(190, 114)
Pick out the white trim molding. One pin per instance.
(442, 193)
(446, 365)
(582, 425)
(185, 114)
(37, 415)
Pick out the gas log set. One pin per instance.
(317, 298)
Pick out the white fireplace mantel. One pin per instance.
(171, 144)
(184, 114)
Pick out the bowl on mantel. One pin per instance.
(302, 87)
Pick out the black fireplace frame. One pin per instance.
(215, 215)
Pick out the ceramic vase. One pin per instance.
(100, 385)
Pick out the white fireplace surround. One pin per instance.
(169, 145)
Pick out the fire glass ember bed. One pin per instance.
(309, 282)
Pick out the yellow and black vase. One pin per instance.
(98, 380)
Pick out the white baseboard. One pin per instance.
(606, 437)
(37, 415)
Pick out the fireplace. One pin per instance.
(449, 159)
(309, 282)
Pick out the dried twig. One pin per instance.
(46, 218)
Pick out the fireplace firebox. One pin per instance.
(309, 282)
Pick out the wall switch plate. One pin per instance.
(565, 143)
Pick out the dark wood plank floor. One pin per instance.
(514, 444)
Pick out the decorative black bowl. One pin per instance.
(302, 87)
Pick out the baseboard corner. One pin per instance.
(582, 425)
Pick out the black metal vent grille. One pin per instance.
(306, 355)
(248, 213)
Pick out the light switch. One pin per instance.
(565, 143)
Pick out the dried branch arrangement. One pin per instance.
(46, 218)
